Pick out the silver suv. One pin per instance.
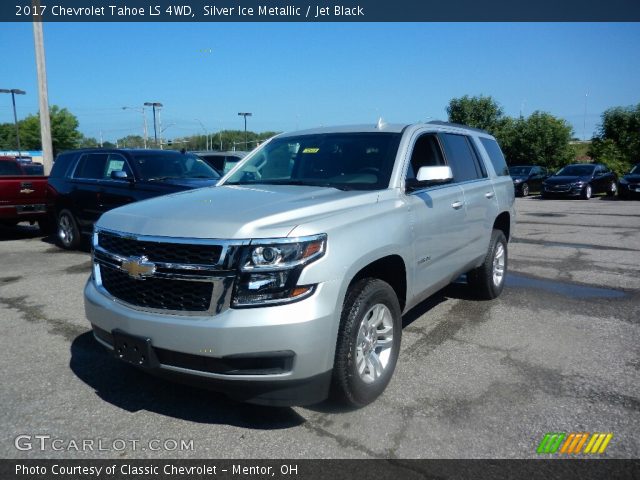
(289, 279)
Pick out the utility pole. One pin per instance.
(43, 97)
(14, 92)
(154, 105)
(245, 115)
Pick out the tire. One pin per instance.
(586, 192)
(363, 365)
(613, 188)
(67, 231)
(487, 281)
(525, 190)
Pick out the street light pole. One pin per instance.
(153, 105)
(245, 115)
(14, 92)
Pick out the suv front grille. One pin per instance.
(163, 274)
(157, 293)
(160, 252)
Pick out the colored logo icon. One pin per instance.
(574, 443)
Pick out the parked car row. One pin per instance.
(581, 180)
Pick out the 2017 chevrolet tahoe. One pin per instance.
(288, 280)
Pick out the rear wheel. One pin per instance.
(368, 342)
(487, 281)
(68, 232)
(586, 192)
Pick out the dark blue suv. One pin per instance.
(86, 183)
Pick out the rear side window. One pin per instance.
(462, 158)
(91, 166)
(496, 156)
(9, 168)
(116, 163)
(61, 165)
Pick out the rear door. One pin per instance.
(480, 203)
(83, 194)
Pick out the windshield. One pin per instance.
(346, 161)
(577, 170)
(635, 170)
(519, 171)
(164, 165)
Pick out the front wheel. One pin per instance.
(586, 192)
(487, 280)
(525, 190)
(368, 342)
(613, 188)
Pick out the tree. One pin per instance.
(64, 130)
(131, 141)
(540, 139)
(478, 112)
(618, 141)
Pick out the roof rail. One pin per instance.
(458, 125)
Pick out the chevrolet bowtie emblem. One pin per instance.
(27, 190)
(138, 267)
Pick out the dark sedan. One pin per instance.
(629, 185)
(527, 178)
(581, 180)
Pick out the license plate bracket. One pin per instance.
(135, 350)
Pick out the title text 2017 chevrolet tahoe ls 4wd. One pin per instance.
(289, 279)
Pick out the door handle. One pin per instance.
(490, 195)
(457, 204)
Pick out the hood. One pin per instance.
(632, 177)
(566, 179)
(233, 212)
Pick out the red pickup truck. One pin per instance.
(23, 194)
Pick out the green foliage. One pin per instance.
(131, 141)
(64, 130)
(478, 112)
(608, 152)
(540, 139)
(88, 142)
(618, 141)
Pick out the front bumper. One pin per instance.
(279, 355)
(562, 191)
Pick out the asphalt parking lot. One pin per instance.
(557, 352)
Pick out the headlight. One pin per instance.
(577, 184)
(517, 180)
(270, 270)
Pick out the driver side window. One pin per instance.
(426, 153)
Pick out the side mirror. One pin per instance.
(434, 175)
(120, 175)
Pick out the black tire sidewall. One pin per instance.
(361, 297)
